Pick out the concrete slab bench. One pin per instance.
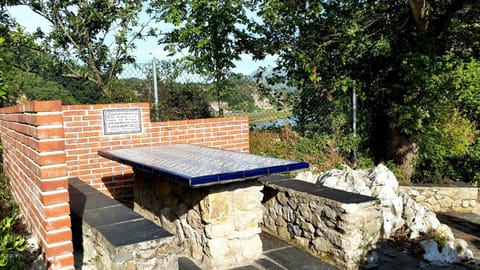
(113, 236)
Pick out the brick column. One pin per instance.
(33, 142)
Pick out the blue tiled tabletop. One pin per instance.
(195, 165)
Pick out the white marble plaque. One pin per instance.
(122, 121)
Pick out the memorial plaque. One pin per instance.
(122, 121)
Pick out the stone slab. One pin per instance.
(110, 215)
(294, 258)
(185, 263)
(194, 165)
(82, 203)
(270, 243)
(267, 264)
(133, 232)
(342, 196)
(80, 189)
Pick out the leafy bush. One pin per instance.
(12, 245)
(13, 253)
(320, 152)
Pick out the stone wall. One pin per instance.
(100, 254)
(334, 225)
(216, 226)
(443, 198)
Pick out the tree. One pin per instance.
(400, 56)
(91, 39)
(210, 31)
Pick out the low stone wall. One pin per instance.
(216, 226)
(334, 225)
(100, 254)
(113, 237)
(447, 198)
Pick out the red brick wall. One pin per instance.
(84, 137)
(32, 137)
(45, 143)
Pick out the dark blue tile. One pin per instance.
(231, 176)
(298, 166)
(195, 164)
(256, 172)
(278, 169)
(203, 180)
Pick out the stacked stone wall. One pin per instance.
(337, 232)
(216, 226)
(461, 199)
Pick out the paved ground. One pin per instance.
(277, 255)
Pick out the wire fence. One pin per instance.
(176, 92)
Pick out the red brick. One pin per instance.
(57, 210)
(50, 145)
(50, 133)
(49, 198)
(43, 106)
(59, 236)
(65, 261)
(57, 249)
(51, 171)
(57, 223)
(51, 158)
(50, 185)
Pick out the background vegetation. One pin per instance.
(414, 64)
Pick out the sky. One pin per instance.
(146, 49)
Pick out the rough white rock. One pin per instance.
(378, 182)
(307, 176)
(398, 209)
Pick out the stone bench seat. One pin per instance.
(335, 225)
(113, 236)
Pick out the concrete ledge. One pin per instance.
(460, 198)
(334, 225)
(113, 236)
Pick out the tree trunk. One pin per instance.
(403, 152)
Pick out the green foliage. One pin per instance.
(183, 101)
(320, 152)
(89, 39)
(210, 31)
(30, 86)
(11, 246)
(416, 76)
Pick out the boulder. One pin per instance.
(398, 209)
(379, 183)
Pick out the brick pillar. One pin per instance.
(34, 159)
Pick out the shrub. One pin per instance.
(320, 152)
